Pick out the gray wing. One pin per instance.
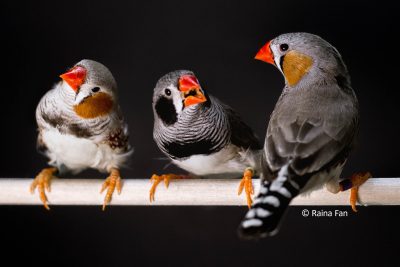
(241, 134)
(311, 133)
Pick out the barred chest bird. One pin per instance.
(81, 126)
(310, 133)
(200, 134)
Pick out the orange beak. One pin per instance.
(74, 77)
(191, 90)
(265, 54)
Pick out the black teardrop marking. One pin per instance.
(281, 61)
(166, 110)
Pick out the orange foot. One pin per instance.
(156, 179)
(42, 182)
(353, 183)
(113, 181)
(247, 184)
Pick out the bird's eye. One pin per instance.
(167, 92)
(95, 89)
(283, 47)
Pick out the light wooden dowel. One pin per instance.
(15, 191)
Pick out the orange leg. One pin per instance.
(247, 184)
(113, 181)
(42, 182)
(353, 183)
(156, 179)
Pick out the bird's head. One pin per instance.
(300, 55)
(176, 92)
(93, 86)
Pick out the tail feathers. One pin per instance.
(263, 218)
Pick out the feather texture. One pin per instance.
(73, 137)
(311, 130)
(206, 138)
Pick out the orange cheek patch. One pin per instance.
(295, 66)
(94, 106)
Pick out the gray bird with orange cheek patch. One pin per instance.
(200, 134)
(311, 130)
(81, 126)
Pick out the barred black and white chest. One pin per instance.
(197, 130)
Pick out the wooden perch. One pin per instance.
(15, 191)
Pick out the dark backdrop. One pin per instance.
(139, 42)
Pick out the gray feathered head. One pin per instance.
(175, 92)
(299, 55)
(92, 86)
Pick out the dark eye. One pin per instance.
(95, 89)
(284, 47)
(167, 92)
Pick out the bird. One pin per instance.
(311, 130)
(80, 126)
(201, 135)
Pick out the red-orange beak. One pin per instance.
(191, 90)
(265, 54)
(74, 77)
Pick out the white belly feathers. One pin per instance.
(228, 161)
(79, 153)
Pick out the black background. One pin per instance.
(140, 42)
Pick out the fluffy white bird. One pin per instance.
(81, 126)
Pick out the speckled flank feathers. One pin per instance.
(82, 126)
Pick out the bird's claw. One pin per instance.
(354, 182)
(113, 181)
(247, 184)
(42, 183)
(156, 180)
(354, 198)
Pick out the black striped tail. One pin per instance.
(263, 218)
